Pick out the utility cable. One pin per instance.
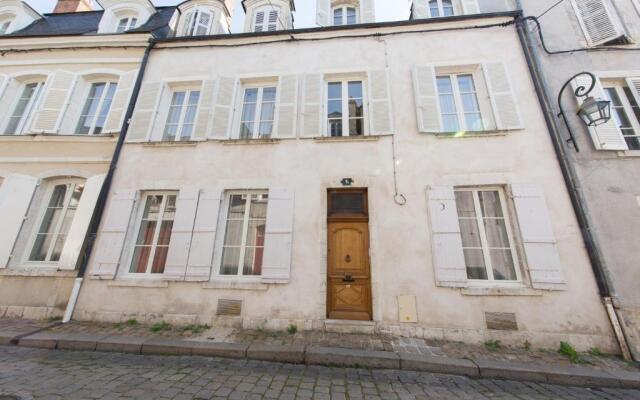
(549, 9)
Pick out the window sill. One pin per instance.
(471, 134)
(330, 139)
(629, 153)
(44, 271)
(244, 142)
(500, 291)
(235, 285)
(148, 283)
(183, 143)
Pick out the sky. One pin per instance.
(386, 10)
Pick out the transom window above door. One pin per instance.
(441, 8)
(96, 108)
(23, 111)
(487, 239)
(126, 24)
(181, 116)
(345, 108)
(345, 15)
(459, 107)
(266, 19)
(258, 112)
(198, 23)
(625, 112)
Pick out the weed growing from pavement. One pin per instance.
(160, 326)
(132, 322)
(196, 328)
(292, 329)
(493, 345)
(568, 350)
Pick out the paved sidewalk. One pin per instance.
(320, 348)
(67, 375)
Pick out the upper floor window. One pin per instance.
(459, 105)
(95, 111)
(126, 23)
(487, 241)
(62, 202)
(154, 233)
(266, 19)
(345, 15)
(258, 111)
(345, 108)
(24, 109)
(182, 114)
(625, 112)
(441, 8)
(198, 23)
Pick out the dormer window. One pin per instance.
(345, 15)
(441, 8)
(198, 23)
(126, 24)
(4, 26)
(266, 19)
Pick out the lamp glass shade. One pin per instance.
(595, 112)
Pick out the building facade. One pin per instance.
(603, 37)
(65, 83)
(358, 176)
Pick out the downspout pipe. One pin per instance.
(98, 211)
(572, 182)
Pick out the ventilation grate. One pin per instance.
(501, 321)
(230, 308)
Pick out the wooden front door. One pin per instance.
(349, 272)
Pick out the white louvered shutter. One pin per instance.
(323, 12)
(16, 193)
(80, 224)
(634, 85)
(470, 7)
(272, 22)
(278, 238)
(637, 4)
(426, 98)
(53, 102)
(120, 102)
(111, 237)
(607, 136)
(258, 23)
(223, 108)
(380, 103)
(367, 11)
(4, 83)
(599, 21)
(503, 101)
(420, 9)
(145, 111)
(205, 110)
(287, 106)
(446, 239)
(188, 23)
(181, 232)
(204, 235)
(312, 111)
(77, 100)
(203, 23)
(9, 93)
(543, 260)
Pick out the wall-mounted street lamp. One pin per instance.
(592, 112)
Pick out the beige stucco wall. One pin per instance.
(401, 256)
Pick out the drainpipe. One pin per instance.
(98, 211)
(572, 182)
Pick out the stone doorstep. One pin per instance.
(439, 365)
(352, 358)
(294, 354)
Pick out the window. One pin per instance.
(486, 234)
(95, 111)
(345, 15)
(441, 8)
(4, 26)
(198, 23)
(625, 113)
(21, 116)
(125, 24)
(243, 246)
(258, 110)
(459, 106)
(345, 108)
(56, 221)
(154, 233)
(181, 116)
(266, 19)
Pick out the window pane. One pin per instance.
(165, 233)
(633, 142)
(464, 204)
(356, 127)
(470, 233)
(351, 16)
(335, 90)
(236, 206)
(490, 203)
(20, 111)
(269, 94)
(251, 95)
(356, 108)
(496, 233)
(152, 207)
(474, 260)
(146, 232)
(267, 112)
(334, 109)
(255, 233)
(355, 90)
(335, 127)
(230, 260)
(337, 16)
(447, 104)
(140, 259)
(40, 247)
(252, 263)
(450, 123)
(433, 8)
(346, 203)
(57, 248)
(502, 262)
(474, 122)
(233, 232)
(159, 260)
(265, 129)
(258, 206)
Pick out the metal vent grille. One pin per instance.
(231, 308)
(501, 321)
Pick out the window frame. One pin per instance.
(345, 8)
(192, 24)
(222, 222)
(619, 87)
(258, 112)
(507, 211)
(345, 79)
(128, 26)
(5, 25)
(135, 231)
(189, 89)
(267, 10)
(28, 114)
(459, 104)
(41, 212)
(441, 9)
(108, 83)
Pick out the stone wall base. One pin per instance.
(28, 312)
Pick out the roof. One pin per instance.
(86, 23)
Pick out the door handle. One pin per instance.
(348, 278)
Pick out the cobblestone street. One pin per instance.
(47, 374)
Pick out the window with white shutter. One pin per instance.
(345, 107)
(381, 120)
(144, 114)
(599, 21)
(181, 234)
(181, 115)
(323, 10)
(223, 107)
(625, 110)
(96, 108)
(266, 19)
(204, 235)
(344, 15)
(257, 112)
(16, 194)
(21, 116)
(312, 120)
(198, 22)
(120, 102)
(287, 111)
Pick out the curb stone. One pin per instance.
(289, 354)
(224, 350)
(166, 347)
(441, 365)
(121, 344)
(352, 358)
